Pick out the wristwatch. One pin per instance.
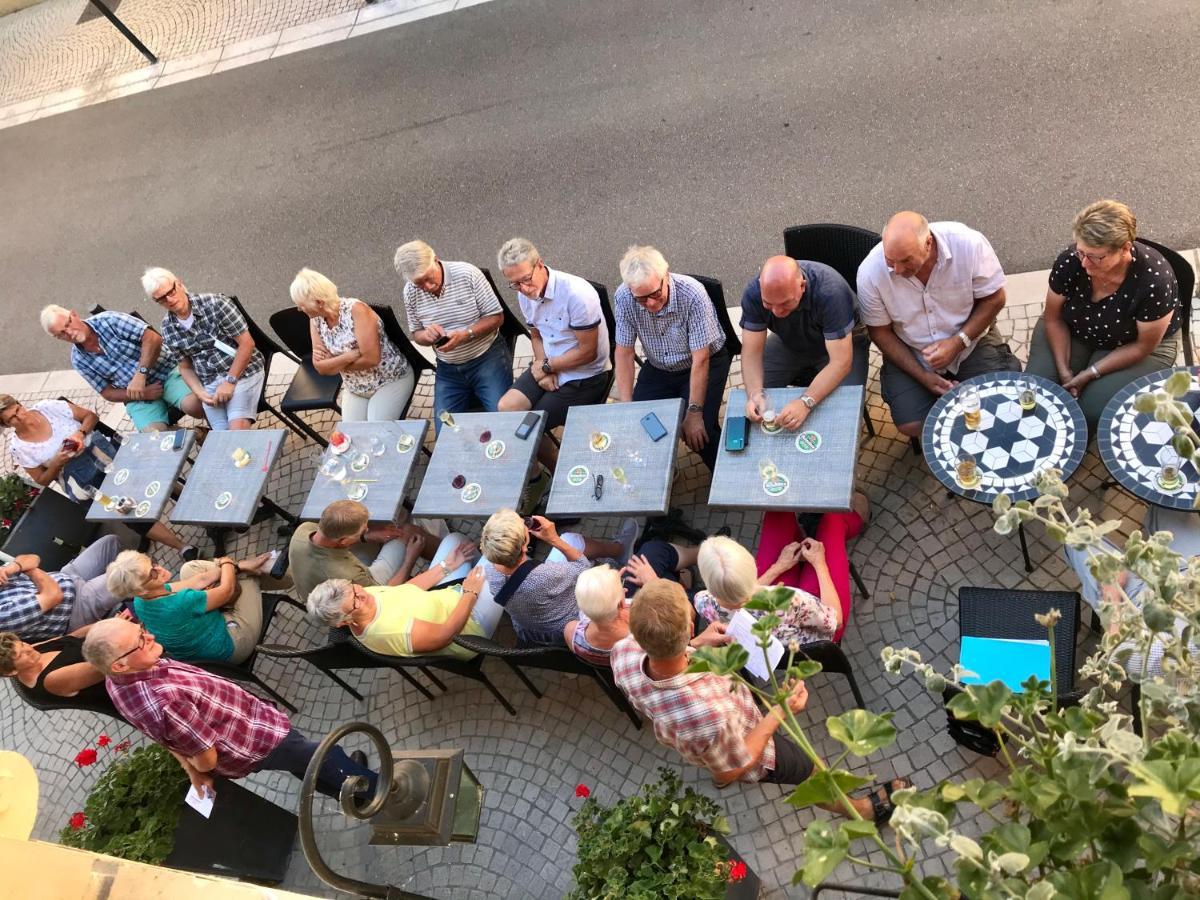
(143, 370)
(471, 334)
(962, 336)
(546, 366)
(231, 379)
(695, 407)
(808, 401)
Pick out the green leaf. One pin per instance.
(862, 732)
(1178, 384)
(982, 703)
(822, 787)
(727, 660)
(1173, 785)
(858, 828)
(824, 849)
(803, 669)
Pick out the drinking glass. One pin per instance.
(334, 469)
(768, 470)
(356, 490)
(1169, 477)
(360, 461)
(967, 471)
(766, 409)
(1027, 396)
(971, 407)
(618, 474)
(447, 419)
(375, 445)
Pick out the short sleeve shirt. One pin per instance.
(670, 336)
(21, 613)
(120, 336)
(569, 304)
(1148, 293)
(545, 601)
(310, 565)
(216, 322)
(827, 311)
(182, 622)
(466, 298)
(63, 424)
(399, 606)
(805, 621)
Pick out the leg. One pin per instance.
(354, 407)
(578, 541)
(451, 392)
(663, 557)
(448, 543)
(782, 366)
(778, 530)
(834, 530)
(161, 534)
(718, 375)
(387, 562)
(491, 375)
(148, 415)
(860, 365)
(242, 407)
(93, 602)
(391, 400)
(685, 557)
(294, 753)
(1184, 526)
(179, 395)
(991, 354)
(1041, 360)
(908, 399)
(245, 619)
(487, 611)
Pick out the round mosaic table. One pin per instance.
(1010, 445)
(1132, 443)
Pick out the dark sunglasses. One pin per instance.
(163, 297)
(599, 492)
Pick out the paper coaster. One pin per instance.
(494, 450)
(471, 493)
(777, 486)
(405, 442)
(167, 443)
(152, 488)
(121, 477)
(356, 491)
(223, 500)
(601, 442)
(577, 476)
(765, 430)
(808, 441)
(142, 509)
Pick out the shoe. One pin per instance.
(534, 492)
(883, 807)
(627, 536)
(724, 531)
(861, 505)
(359, 757)
(190, 552)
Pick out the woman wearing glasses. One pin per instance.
(1112, 311)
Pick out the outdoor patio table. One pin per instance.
(1132, 444)
(464, 481)
(387, 476)
(814, 465)
(144, 470)
(621, 448)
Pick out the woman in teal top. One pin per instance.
(213, 611)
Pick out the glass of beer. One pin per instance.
(1170, 478)
(766, 409)
(1026, 396)
(768, 470)
(966, 470)
(971, 407)
(447, 418)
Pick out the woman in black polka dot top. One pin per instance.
(1112, 310)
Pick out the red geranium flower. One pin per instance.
(77, 821)
(103, 741)
(85, 757)
(6, 523)
(122, 747)
(581, 790)
(737, 871)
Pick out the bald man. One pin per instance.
(798, 321)
(929, 294)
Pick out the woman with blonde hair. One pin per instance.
(348, 340)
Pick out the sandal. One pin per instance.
(883, 807)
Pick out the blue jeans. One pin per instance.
(294, 753)
(483, 379)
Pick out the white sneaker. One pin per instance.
(627, 536)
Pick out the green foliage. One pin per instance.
(656, 844)
(15, 497)
(133, 808)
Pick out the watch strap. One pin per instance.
(695, 407)
(808, 401)
(966, 341)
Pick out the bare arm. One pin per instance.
(1058, 335)
(366, 335)
(192, 380)
(753, 343)
(624, 373)
(430, 636)
(841, 359)
(70, 680)
(584, 351)
(241, 359)
(222, 594)
(48, 593)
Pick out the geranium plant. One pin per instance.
(15, 497)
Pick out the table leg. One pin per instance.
(1024, 546)
(217, 536)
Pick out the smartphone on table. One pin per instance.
(179, 438)
(654, 427)
(735, 434)
(527, 425)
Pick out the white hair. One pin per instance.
(50, 317)
(413, 259)
(128, 574)
(155, 279)
(641, 264)
(599, 593)
(728, 570)
(313, 293)
(518, 250)
(503, 539)
(326, 599)
(103, 643)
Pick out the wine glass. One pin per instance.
(375, 445)
(360, 461)
(333, 469)
(447, 419)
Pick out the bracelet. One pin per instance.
(1092, 368)
(469, 591)
(445, 568)
(228, 562)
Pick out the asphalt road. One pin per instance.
(702, 126)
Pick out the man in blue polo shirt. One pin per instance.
(811, 314)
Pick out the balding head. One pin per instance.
(907, 243)
(782, 285)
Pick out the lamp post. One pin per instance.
(124, 29)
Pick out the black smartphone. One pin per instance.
(526, 425)
(179, 439)
(654, 427)
(735, 434)
(443, 339)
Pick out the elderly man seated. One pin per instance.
(121, 357)
(39, 605)
(682, 339)
(209, 724)
(709, 720)
(217, 356)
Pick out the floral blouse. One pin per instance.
(340, 338)
(807, 620)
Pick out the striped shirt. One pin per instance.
(466, 298)
(214, 318)
(687, 323)
(20, 611)
(120, 336)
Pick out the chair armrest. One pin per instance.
(282, 651)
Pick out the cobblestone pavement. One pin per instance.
(919, 547)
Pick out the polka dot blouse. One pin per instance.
(1148, 293)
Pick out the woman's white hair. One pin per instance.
(640, 264)
(599, 592)
(413, 259)
(728, 570)
(518, 250)
(326, 599)
(128, 574)
(51, 316)
(313, 293)
(155, 279)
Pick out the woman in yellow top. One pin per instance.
(415, 618)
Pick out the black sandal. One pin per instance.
(882, 808)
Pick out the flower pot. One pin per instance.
(750, 886)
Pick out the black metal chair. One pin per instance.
(416, 360)
(512, 327)
(610, 320)
(833, 659)
(1187, 285)
(51, 703)
(553, 659)
(244, 671)
(857, 890)
(309, 390)
(716, 293)
(53, 527)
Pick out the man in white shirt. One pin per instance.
(929, 294)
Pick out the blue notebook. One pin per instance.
(996, 659)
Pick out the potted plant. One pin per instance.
(657, 844)
(15, 497)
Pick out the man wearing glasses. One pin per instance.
(121, 357)
(929, 294)
(682, 339)
(217, 356)
(209, 724)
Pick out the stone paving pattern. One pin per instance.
(919, 547)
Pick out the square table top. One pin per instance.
(147, 466)
(214, 473)
(459, 451)
(387, 476)
(649, 466)
(821, 480)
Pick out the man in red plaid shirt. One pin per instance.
(209, 724)
(699, 715)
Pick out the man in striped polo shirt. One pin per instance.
(451, 307)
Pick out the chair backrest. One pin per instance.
(294, 330)
(610, 319)
(1186, 277)
(391, 327)
(266, 345)
(512, 327)
(716, 293)
(48, 703)
(842, 247)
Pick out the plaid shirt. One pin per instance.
(20, 611)
(188, 710)
(216, 319)
(687, 323)
(697, 714)
(115, 365)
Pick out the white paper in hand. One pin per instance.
(202, 805)
(740, 624)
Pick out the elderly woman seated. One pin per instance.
(731, 579)
(213, 611)
(415, 618)
(52, 669)
(603, 615)
(348, 340)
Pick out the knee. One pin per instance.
(910, 429)
(512, 401)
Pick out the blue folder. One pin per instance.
(997, 659)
